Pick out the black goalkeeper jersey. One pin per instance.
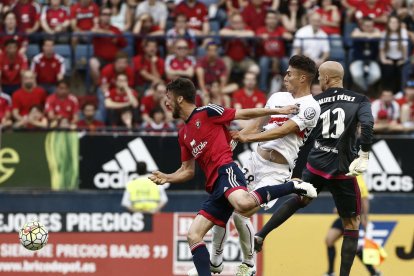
(335, 135)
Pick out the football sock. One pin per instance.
(370, 268)
(219, 238)
(245, 229)
(288, 208)
(331, 258)
(348, 250)
(201, 258)
(268, 193)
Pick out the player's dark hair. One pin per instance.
(303, 63)
(142, 168)
(183, 87)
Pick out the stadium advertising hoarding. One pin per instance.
(109, 162)
(303, 237)
(103, 244)
(39, 160)
(107, 244)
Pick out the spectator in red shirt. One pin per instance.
(11, 65)
(5, 110)
(154, 100)
(249, 96)
(149, 68)
(196, 13)
(145, 26)
(27, 97)
(254, 14)
(180, 64)
(407, 106)
(107, 41)
(89, 122)
(210, 69)
(119, 66)
(48, 66)
(119, 98)
(27, 13)
(84, 17)
(272, 50)
(330, 18)
(375, 9)
(55, 18)
(62, 107)
(35, 119)
(237, 48)
(10, 30)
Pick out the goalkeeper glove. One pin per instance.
(359, 165)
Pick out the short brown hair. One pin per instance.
(183, 87)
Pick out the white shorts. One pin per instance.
(260, 172)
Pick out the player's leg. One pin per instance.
(246, 231)
(288, 208)
(219, 238)
(218, 210)
(348, 202)
(334, 233)
(196, 233)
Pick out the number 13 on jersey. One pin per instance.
(338, 125)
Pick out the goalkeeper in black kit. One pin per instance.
(334, 161)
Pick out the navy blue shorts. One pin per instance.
(217, 208)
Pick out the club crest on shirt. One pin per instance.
(198, 124)
(309, 113)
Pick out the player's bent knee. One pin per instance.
(193, 237)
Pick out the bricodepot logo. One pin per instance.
(122, 168)
(9, 158)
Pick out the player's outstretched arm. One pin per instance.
(251, 113)
(289, 127)
(184, 173)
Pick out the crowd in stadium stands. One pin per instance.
(236, 51)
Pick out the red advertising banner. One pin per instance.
(108, 244)
(93, 253)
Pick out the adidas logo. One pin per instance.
(122, 169)
(384, 174)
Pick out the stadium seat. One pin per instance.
(32, 50)
(82, 55)
(66, 52)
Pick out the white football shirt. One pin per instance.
(306, 119)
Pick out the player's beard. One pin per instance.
(176, 111)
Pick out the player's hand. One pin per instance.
(289, 109)
(237, 136)
(158, 178)
(359, 165)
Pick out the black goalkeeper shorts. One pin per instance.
(345, 192)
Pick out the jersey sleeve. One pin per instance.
(367, 124)
(185, 153)
(220, 115)
(308, 116)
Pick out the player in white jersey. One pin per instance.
(274, 159)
